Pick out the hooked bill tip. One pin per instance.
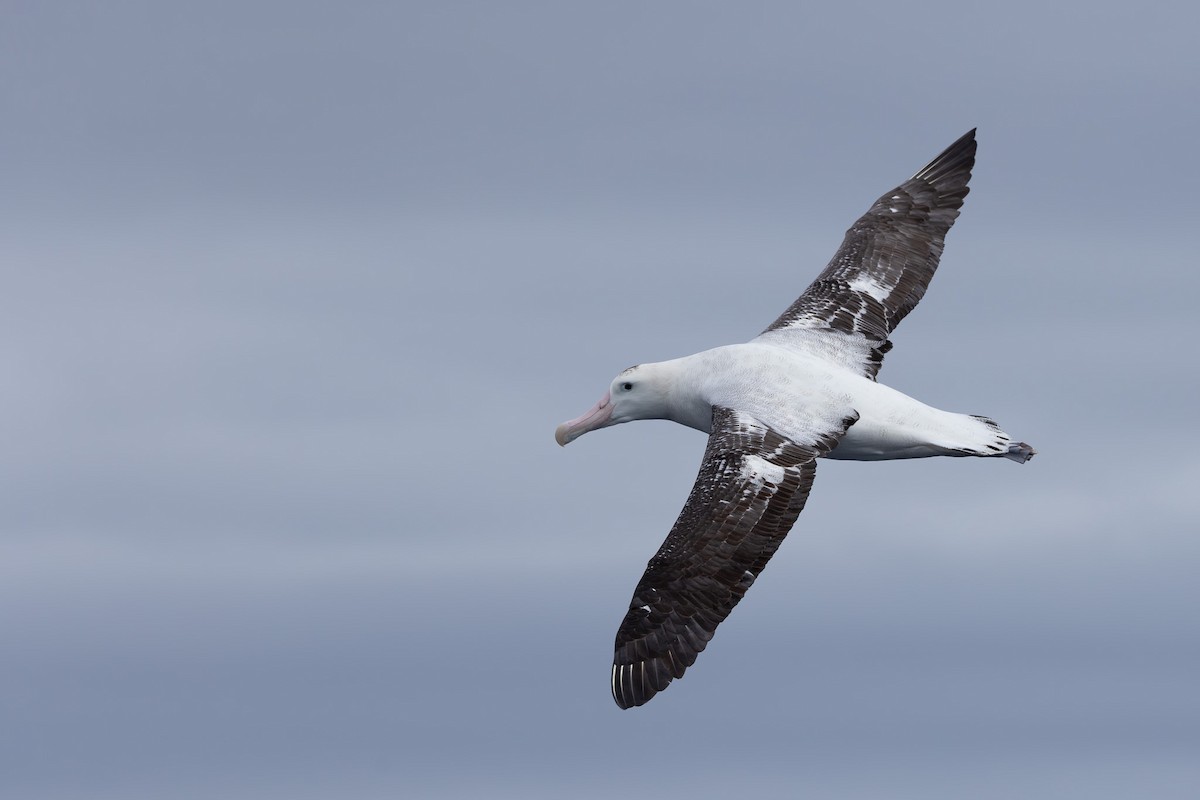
(598, 416)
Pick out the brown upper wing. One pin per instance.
(751, 487)
(884, 264)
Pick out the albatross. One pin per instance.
(803, 389)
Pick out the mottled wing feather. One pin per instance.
(884, 265)
(751, 487)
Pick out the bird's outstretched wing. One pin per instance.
(751, 487)
(883, 267)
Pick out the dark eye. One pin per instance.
(627, 386)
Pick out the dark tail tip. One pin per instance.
(1020, 452)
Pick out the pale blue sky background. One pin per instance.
(294, 295)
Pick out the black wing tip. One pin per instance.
(636, 681)
(633, 685)
(952, 167)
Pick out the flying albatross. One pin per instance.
(803, 389)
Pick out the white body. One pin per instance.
(795, 393)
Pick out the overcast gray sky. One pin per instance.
(295, 295)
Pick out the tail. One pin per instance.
(1020, 452)
(1004, 445)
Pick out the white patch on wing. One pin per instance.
(758, 471)
(863, 283)
(833, 346)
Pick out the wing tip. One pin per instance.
(635, 684)
(629, 687)
(952, 167)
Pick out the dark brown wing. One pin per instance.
(751, 487)
(885, 262)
